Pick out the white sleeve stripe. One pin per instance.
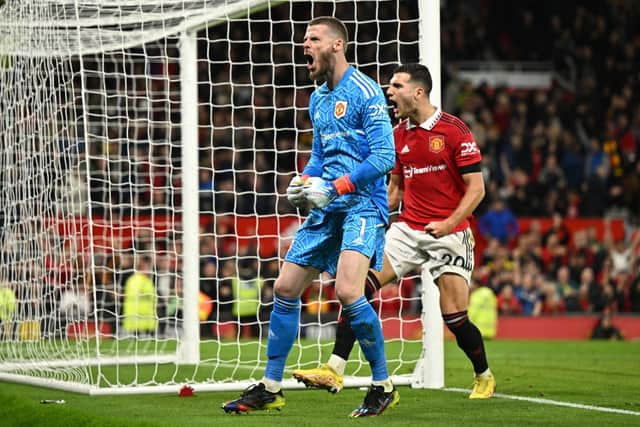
(363, 84)
(364, 90)
(366, 81)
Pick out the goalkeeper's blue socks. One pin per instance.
(345, 338)
(283, 329)
(366, 326)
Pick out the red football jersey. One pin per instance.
(428, 156)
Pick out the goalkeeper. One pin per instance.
(437, 176)
(344, 182)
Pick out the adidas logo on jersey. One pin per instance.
(405, 149)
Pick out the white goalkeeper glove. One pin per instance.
(294, 191)
(319, 192)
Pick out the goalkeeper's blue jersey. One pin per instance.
(352, 134)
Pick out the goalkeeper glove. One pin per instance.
(294, 191)
(320, 192)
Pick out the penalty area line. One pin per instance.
(552, 402)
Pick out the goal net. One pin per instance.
(145, 148)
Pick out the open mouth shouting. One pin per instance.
(312, 66)
(392, 107)
(310, 61)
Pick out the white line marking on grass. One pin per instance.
(552, 402)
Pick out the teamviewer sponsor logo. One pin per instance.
(410, 171)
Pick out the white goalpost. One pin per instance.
(429, 371)
(145, 147)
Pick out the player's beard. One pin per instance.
(324, 66)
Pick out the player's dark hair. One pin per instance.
(335, 25)
(417, 73)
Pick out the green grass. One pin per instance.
(603, 374)
(221, 360)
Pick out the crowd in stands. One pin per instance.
(568, 151)
(557, 271)
(571, 148)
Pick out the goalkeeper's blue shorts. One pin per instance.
(324, 235)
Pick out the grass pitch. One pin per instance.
(599, 382)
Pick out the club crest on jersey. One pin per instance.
(436, 143)
(341, 109)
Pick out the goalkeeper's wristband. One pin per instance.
(344, 185)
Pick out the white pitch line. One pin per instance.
(552, 402)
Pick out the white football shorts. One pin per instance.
(408, 249)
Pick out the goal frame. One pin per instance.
(429, 372)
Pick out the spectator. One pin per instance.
(587, 282)
(7, 310)
(596, 193)
(522, 194)
(140, 299)
(317, 298)
(174, 309)
(620, 284)
(554, 254)
(567, 289)
(605, 329)
(529, 296)
(552, 176)
(225, 292)
(508, 303)
(597, 248)
(483, 311)
(106, 296)
(208, 279)
(164, 288)
(499, 223)
(124, 261)
(559, 228)
(580, 255)
(620, 255)
(552, 302)
(247, 289)
(208, 294)
(601, 292)
(75, 300)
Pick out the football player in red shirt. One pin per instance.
(438, 179)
